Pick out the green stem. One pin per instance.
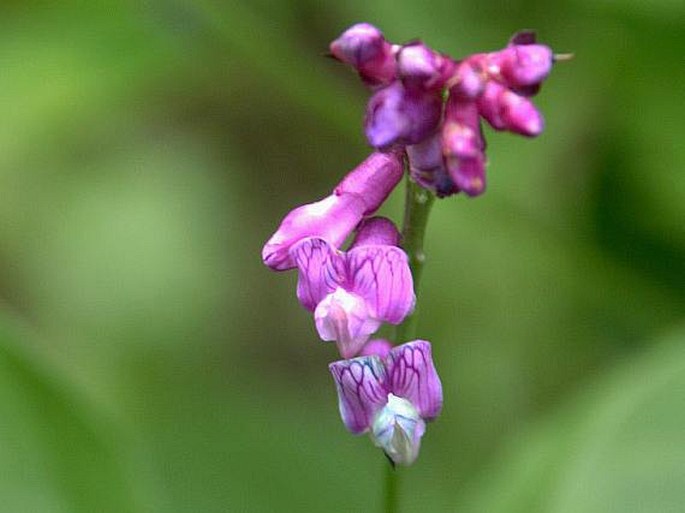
(391, 479)
(417, 206)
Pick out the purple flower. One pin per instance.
(523, 64)
(333, 218)
(421, 68)
(427, 166)
(398, 115)
(363, 47)
(469, 78)
(378, 347)
(374, 179)
(351, 293)
(391, 397)
(463, 146)
(506, 110)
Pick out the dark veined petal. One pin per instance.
(321, 269)
(360, 383)
(381, 275)
(412, 375)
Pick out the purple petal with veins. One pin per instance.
(381, 275)
(321, 270)
(412, 375)
(361, 390)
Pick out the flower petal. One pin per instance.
(374, 179)
(381, 275)
(427, 167)
(412, 375)
(332, 218)
(363, 47)
(373, 231)
(397, 429)
(395, 115)
(361, 390)
(345, 318)
(321, 270)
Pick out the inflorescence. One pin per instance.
(425, 111)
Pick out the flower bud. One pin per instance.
(376, 231)
(374, 179)
(419, 67)
(396, 115)
(506, 110)
(523, 65)
(427, 167)
(363, 47)
(469, 79)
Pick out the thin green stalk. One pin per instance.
(391, 482)
(417, 206)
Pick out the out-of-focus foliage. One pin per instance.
(149, 362)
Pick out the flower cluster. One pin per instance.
(432, 104)
(424, 115)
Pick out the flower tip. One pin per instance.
(357, 45)
(275, 258)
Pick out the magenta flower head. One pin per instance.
(363, 47)
(334, 218)
(352, 293)
(391, 397)
(398, 115)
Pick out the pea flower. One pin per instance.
(391, 397)
(352, 293)
(334, 218)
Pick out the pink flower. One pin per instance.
(391, 396)
(352, 293)
(334, 218)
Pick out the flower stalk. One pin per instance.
(417, 207)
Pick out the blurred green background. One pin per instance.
(150, 363)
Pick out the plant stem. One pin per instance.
(418, 203)
(417, 206)
(391, 481)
